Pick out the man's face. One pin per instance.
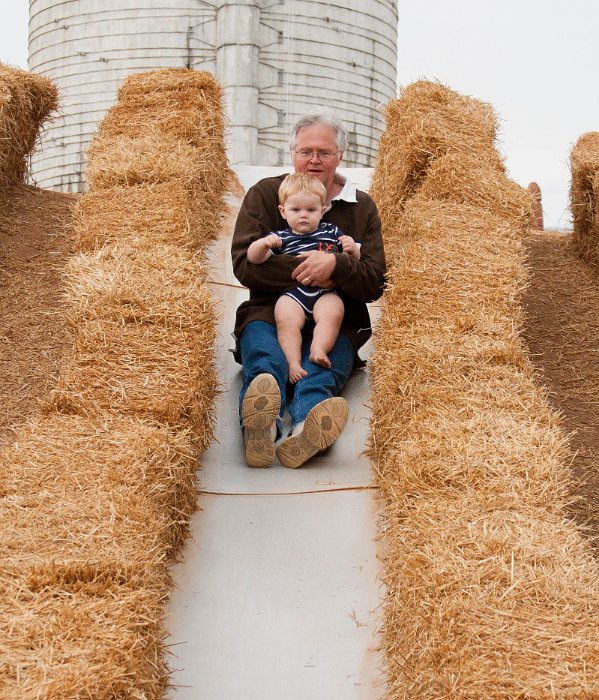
(316, 153)
(302, 211)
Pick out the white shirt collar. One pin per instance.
(348, 193)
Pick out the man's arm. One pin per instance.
(257, 216)
(364, 280)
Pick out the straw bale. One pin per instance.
(584, 193)
(98, 522)
(167, 80)
(26, 101)
(118, 161)
(177, 101)
(142, 216)
(433, 244)
(157, 188)
(92, 636)
(151, 371)
(426, 122)
(494, 602)
(35, 242)
(165, 285)
(478, 179)
(444, 437)
(92, 469)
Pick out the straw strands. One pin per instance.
(26, 100)
(90, 636)
(584, 192)
(428, 121)
(175, 101)
(141, 216)
(97, 493)
(492, 591)
(83, 491)
(479, 180)
(164, 284)
(124, 161)
(172, 170)
(147, 370)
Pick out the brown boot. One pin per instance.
(259, 412)
(323, 425)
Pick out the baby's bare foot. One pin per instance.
(318, 357)
(296, 372)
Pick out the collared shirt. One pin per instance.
(347, 194)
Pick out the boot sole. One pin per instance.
(259, 411)
(323, 425)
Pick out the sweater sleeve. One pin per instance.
(258, 215)
(363, 279)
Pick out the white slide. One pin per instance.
(278, 595)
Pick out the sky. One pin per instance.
(533, 60)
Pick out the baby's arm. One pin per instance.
(259, 250)
(350, 247)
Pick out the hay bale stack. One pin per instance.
(148, 352)
(491, 590)
(175, 111)
(584, 197)
(179, 105)
(26, 100)
(426, 122)
(98, 493)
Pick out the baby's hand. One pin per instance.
(350, 247)
(272, 241)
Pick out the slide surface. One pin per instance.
(278, 594)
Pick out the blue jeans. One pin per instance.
(261, 352)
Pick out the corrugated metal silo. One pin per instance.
(275, 59)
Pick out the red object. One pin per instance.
(537, 218)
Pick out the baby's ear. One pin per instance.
(281, 210)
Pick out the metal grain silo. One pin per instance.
(275, 59)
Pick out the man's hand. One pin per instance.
(315, 269)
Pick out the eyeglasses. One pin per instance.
(306, 154)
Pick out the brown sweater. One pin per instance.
(357, 282)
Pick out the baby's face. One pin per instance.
(302, 211)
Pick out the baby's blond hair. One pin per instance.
(301, 182)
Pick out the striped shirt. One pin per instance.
(325, 238)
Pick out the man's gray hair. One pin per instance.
(322, 119)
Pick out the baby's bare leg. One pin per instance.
(328, 314)
(290, 319)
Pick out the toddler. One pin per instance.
(302, 203)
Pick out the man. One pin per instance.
(318, 414)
